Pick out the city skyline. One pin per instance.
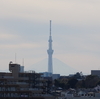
(24, 30)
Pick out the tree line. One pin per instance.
(77, 81)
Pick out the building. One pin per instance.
(19, 84)
(95, 72)
(55, 76)
(47, 74)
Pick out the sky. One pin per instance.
(24, 32)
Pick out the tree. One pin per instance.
(91, 81)
(56, 83)
(72, 83)
(80, 84)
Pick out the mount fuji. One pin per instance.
(58, 67)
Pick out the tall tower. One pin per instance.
(50, 52)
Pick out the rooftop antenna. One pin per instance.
(15, 57)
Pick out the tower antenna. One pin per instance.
(50, 27)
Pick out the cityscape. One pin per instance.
(49, 49)
(20, 84)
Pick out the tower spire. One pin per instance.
(50, 52)
(50, 27)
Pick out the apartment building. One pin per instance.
(20, 84)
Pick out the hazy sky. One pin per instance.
(24, 30)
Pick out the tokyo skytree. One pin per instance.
(50, 52)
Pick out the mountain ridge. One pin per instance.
(59, 67)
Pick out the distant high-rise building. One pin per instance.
(95, 72)
(50, 52)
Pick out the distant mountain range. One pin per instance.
(58, 67)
